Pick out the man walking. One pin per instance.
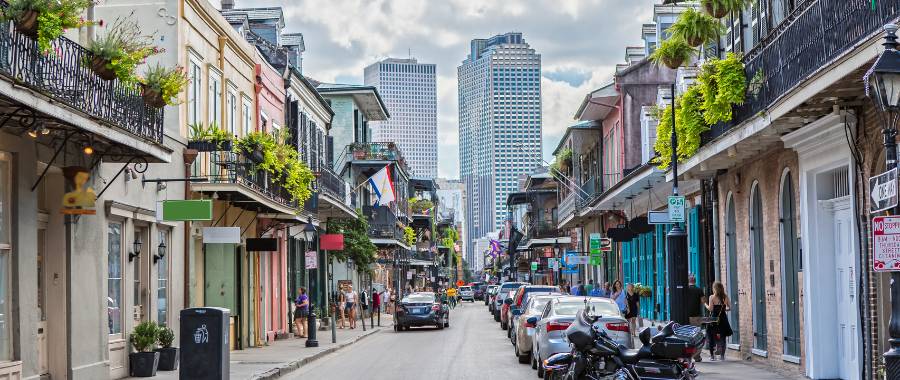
(693, 303)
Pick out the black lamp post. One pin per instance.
(309, 234)
(883, 87)
(676, 243)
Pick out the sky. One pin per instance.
(580, 42)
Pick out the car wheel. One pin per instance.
(440, 325)
(540, 370)
(447, 322)
(534, 362)
(523, 358)
(496, 317)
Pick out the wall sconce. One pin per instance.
(161, 252)
(136, 250)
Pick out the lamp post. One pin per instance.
(309, 234)
(883, 87)
(676, 242)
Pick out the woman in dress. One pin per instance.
(301, 312)
(350, 305)
(618, 295)
(716, 333)
(633, 303)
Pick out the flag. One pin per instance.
(495, 247)
(382, 186)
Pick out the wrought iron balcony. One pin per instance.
(382, 222)
(817, 33)
(234, 168)
(544, 229)
(329, 183)
(378, 151)
(62, 76)
(568, 205)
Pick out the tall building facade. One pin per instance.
(499, 126)
(409, 89)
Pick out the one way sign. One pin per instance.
(883, 188)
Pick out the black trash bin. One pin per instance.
(204, 344)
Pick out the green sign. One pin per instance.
(187, 210)
(534, 265)
(596, 259)
(676, 209)
(596, 248)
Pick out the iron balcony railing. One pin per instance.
(568, 205)
(62, 76)
(382, 222)
(329, 183)
(234, 168)
(816, 34)
(376, 151)
(544, 229)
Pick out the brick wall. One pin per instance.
(766, 171)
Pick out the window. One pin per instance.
(215, 97)
(114, 278)
(6, 338)
(246, 113)
(194, 93)
(162, 282)
(231, 108)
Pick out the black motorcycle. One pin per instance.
(595, 356)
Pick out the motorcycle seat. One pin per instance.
(632, 356)
(665, 332)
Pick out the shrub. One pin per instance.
(144, 336)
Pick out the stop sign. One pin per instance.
(460, 283)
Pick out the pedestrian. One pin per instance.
(596, 292)
(619, 296)
(301, 312)
(576, 291)
(376, 301)
(350, 298)
(607, 292)
(694, 303)
(589, 287)
(341, 303)
(720, 328)
(633, 305)
(386, 298)
(451, 297)
(363, 305)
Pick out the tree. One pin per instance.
(357, 245)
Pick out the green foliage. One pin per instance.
(419, 206)
(663, 146)
(54, 17)
(168, 82)
(696, 28)
(281, 160)
(125, 47)
(725, 6)
(565, 156)
(143, 338)
(672, 52)
(723, 83)
(409, 235)
(357, 245)
(165, 336)
(263, 142)
(690, 123)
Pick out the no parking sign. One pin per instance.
(886, 243)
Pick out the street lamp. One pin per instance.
(883, 87)
(309, 233)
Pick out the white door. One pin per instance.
(845, 268)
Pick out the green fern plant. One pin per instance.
(673, 52)
(721, 8)
(696, 28)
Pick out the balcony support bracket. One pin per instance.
(140, 166)
(49, 164)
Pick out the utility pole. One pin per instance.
(676, 244)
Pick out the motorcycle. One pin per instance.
(595, 356)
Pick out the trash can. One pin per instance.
(204, 344)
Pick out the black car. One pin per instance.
(422, 309)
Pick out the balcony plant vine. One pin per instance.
(46, 20)
(696, 28)
(162, 85)
(721, 8)
(116, 53)
(409, 235)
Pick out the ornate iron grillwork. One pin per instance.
(231, 167)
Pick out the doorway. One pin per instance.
(758, 268)
(846, 327)
(790, 264)
(733, 288)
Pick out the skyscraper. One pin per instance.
(499, 126)
(409, 90)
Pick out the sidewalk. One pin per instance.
(284, 356)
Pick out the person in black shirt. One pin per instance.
(694, 300)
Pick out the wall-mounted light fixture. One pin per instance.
(136, 250)
(160, 252)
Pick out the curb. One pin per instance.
(285, 369)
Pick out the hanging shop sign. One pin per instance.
(658, 217)
(312, 260)
(553, 264)
(886, 243)
(534, 266)
(595, 243)
(883, 188)
(81, 200)
(262, 244)
(183, 210)
(221, 235)
(331, 242)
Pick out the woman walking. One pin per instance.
(301, 312)
(633, 303)
(618, 295)
(721, 328)
(340, 305)
(350, 305)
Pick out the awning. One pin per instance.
(598, 103)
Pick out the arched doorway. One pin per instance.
(732, 271)
(758, 270)
(790, 266)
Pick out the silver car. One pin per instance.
(550, 327)
(489, 293)
(466, 293)
(502, 293)
(524, 331)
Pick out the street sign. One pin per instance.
(409, 275)
(606, 245)
(460, 283)
(883, 188)
(658, 217)
(886, 243)
(552, 263)
(676, 209)
(534, 266)
(570, 271)
(596, 248)
(576, 260)
(312, 261)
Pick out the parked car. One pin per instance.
(480, 290)
(504, 309)
(550, 327)
(523, 330)
(422, 309)
(489, 294)
(514, 319)
(466, 293)
(502, 292)
(515, 302)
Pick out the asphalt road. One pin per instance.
(474, 347)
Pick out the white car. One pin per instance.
(466, 293)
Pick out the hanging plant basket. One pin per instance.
(695, 41)
(257, 156)
(210, 146)
(673, 63)
(713, 10)
(100, 66)
(27, 23)
(152, 97)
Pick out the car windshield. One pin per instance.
(539, 303)
(606, 309)
(512, 285)
(545, 289)
(464, 288)
(419, 298)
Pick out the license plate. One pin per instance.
(530, 331)
(416, 310)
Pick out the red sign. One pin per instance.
(331, 242)
(548, 251)
(460, 283)
(886, 243)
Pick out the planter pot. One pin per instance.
(209, 146)
(717, 12)
(695, 41)
(152, 97)
(168, 359)
(257, 156)
(98, 66)
(27, 24)
(673, 63)
(143, 364)
(359, 154)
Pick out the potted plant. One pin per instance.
(696, 28)
(721, 8)
(116, 53)
(672, 53)
(161, 85)
(168, 355)
(209, 139)
(45, 20)
(259, 147)
(359, 151)
(144, 361)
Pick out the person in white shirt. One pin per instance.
(350, 298)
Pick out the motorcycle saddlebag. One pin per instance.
(673, 348)
(656, 370)
(691, 334)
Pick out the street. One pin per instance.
(473, 347)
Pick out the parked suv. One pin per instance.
(502, 292)
(515, 302)
(466, 294)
